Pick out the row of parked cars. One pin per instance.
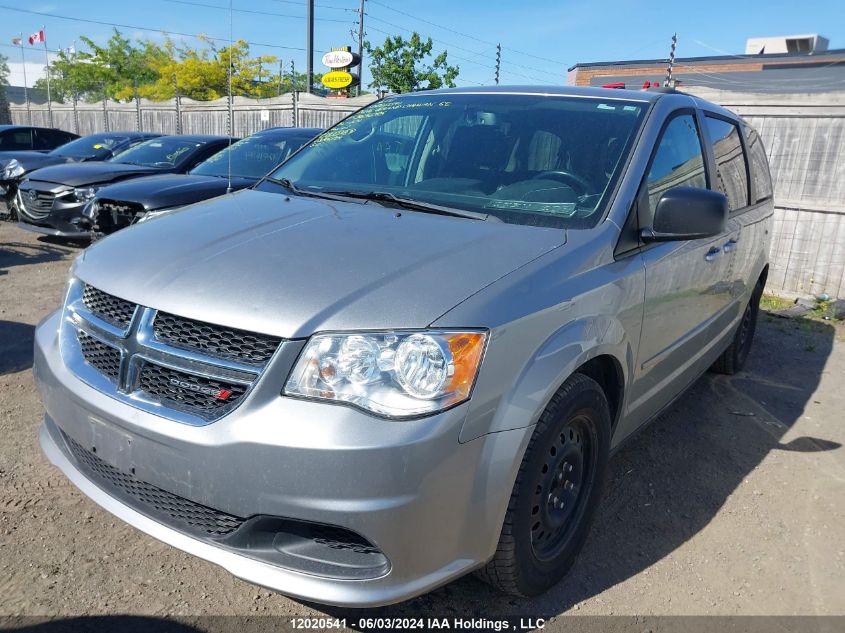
(98, 184)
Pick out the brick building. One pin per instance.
(807, 66)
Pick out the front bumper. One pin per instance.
(64, 220)
(432, 505)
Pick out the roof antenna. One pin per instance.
(668, 82)
(231, 121)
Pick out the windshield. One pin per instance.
(251, 157)
(527, 159)
(160, 152)
(90, 146)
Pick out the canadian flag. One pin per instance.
(37, 37)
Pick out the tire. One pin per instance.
(570, 445)
(733, 358)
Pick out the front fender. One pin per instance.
(544, 371)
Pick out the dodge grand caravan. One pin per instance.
(408, 352)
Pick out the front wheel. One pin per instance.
(556, 493)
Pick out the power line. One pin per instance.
(143, 28)
(451, 30)
(270, 13)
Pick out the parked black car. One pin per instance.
(117, 206)
(24, 137)
(51, 200)
(15, 165)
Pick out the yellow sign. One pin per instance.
(337, 79)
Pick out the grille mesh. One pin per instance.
(116, 311)
(197, 393)
(154, 501)
(215, 340)
(341, 539)
(104, 358)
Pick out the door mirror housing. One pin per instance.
(687, 213)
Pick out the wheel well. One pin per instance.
(764, 275)
(607, 371)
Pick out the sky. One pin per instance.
(540, 39)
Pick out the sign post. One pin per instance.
(339, 79)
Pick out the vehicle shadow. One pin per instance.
(98, 624)
(36, 252)
(672, 478)
(16, 340)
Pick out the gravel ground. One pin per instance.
(731, 503)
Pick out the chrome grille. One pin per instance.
(151, 500)
(238, 345)
(183, 390)
(116, 311)
(192, 373)
(102, 357)
(35, 204)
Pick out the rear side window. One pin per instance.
(678, 161)
(16, 139)
(759, 165)
(50, 139)
(731, 167)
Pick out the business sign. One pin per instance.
(337, 79)
(340, 59)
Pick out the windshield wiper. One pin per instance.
(410, 203)
(288, 184)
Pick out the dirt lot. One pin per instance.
(732, 503)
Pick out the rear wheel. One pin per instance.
(733, 358)
(556, 493)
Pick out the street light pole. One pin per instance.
(309, 54)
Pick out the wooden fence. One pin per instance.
(185, 116)
(804, 135)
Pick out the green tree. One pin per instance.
(401, 65)
(113, 69)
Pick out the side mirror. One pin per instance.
(687, 213)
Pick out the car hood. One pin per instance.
(171, 190)
(292, 266)
(32, 160)
(84, 174)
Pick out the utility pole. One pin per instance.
(309, 54)
(669, 82)
(360, 48)
(498, 61)
(25, 93)
(47, 59)
(293, 94)
(281, 70)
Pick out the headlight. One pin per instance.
(84, 194)
(394, 374)
(13, 169)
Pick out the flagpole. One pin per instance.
(25, 93)
(47, 58)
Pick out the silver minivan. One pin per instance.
(408, 352)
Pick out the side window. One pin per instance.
(731, 168)
(759, 165)
(678, 161)
(16, 139)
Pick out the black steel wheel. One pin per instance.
(556, 492)
(733, 358)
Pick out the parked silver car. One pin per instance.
(408, 353)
